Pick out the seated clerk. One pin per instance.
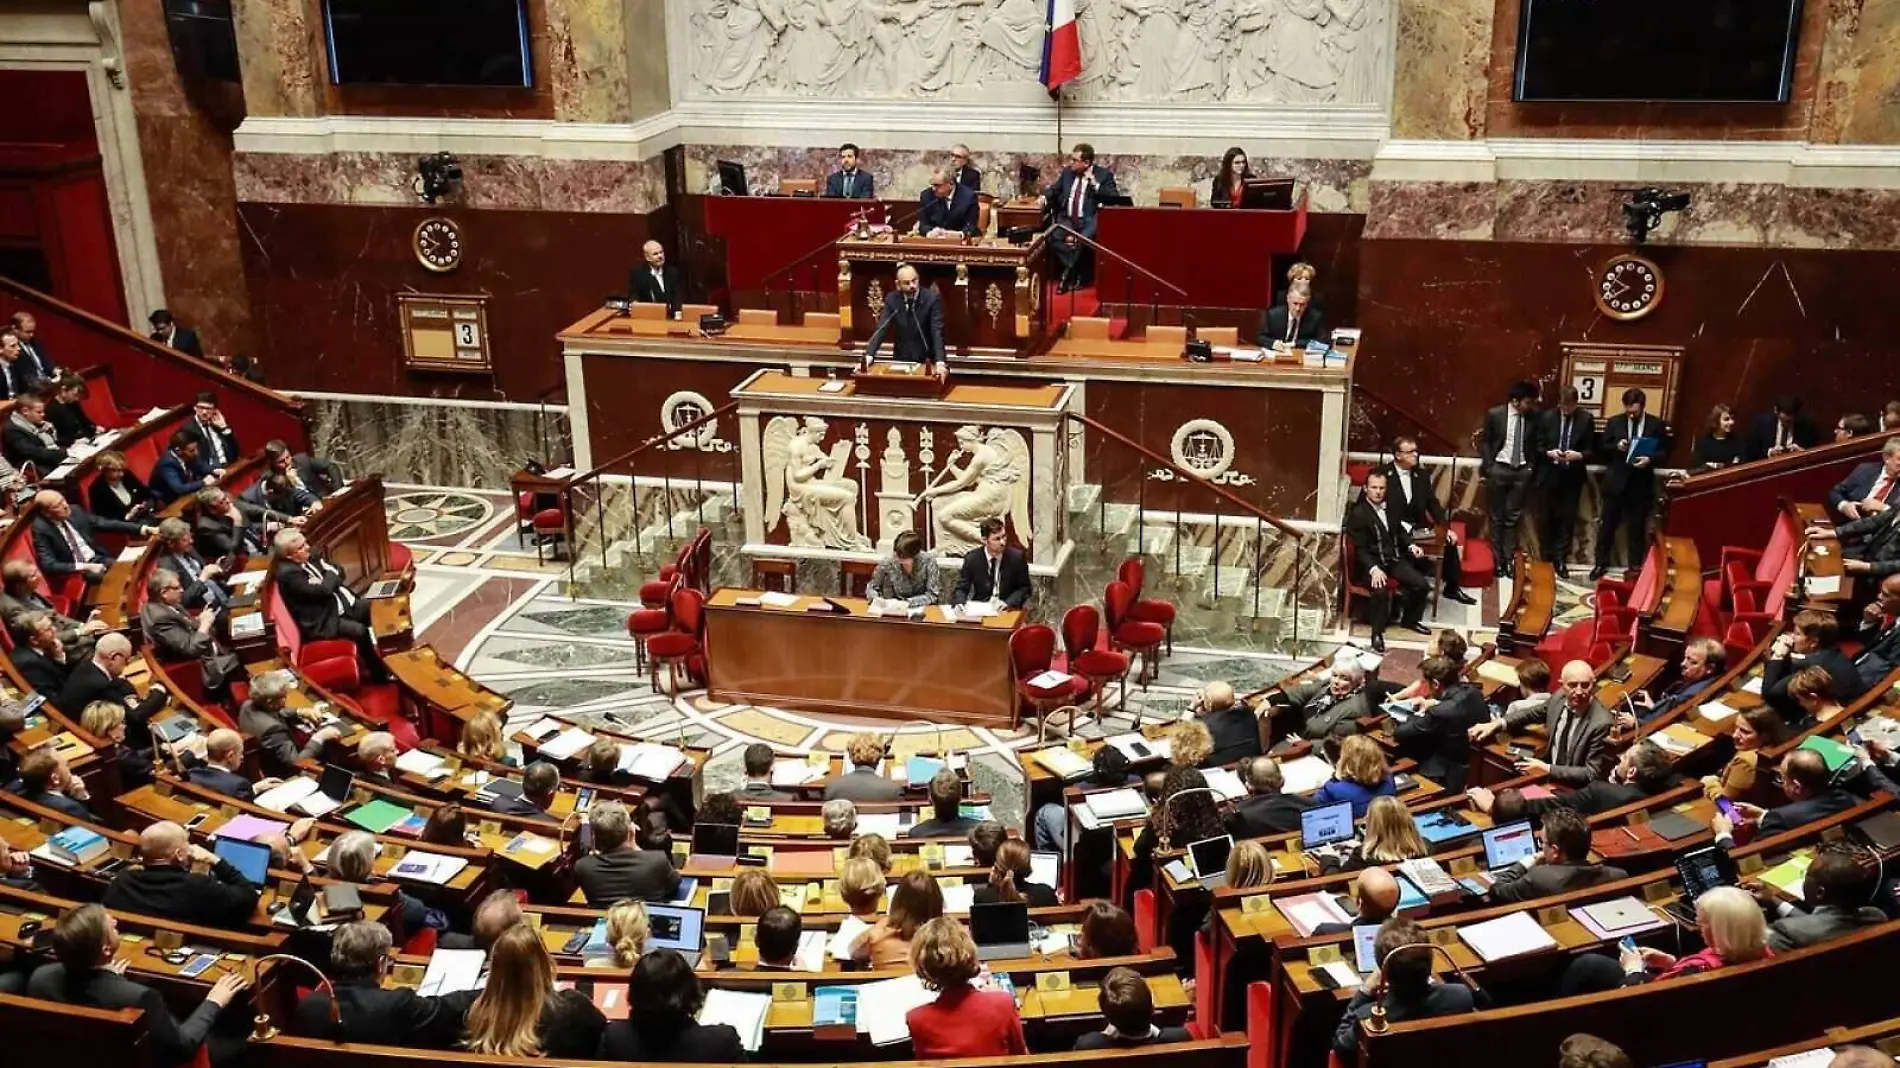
(164, 885)
(1403, 984)
(100, 679)
(1009, 879)
(265, 719)
(1294, 322)
(1128, 1006)
(222, 528)
(1377, 897)
(85, 940)
(38, 655)
(320, 599)
(1360, 776)
(1575, 723)
(663, 1002)
(539, 783)
(655, 281)
(849, 181)
(1324, 705)
(862, 782)
(1643, 771)
(364, 1010)
(117, 493)
(1562, 865)
(1233, 723)
(1703, 660)
(1230, 181)
(67, 414)
(962, 1021)
(1811, 793)
(946, 801)
(1720, 445)
(1438, 736)
(617, 869)
(1834, 899)
(994, 571)
(1265, 810)
(181, 471)
(908, 574)
(777, 939)
(29, 437)
(946, 209)
(45, 780)
(1812, 642)
(63, 540)
(1390, 836)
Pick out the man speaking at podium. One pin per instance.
(913, 317)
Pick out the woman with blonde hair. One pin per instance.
(963, 1021)
(507, 1017)
(915, 901)
(1390, 835)
(872, 846)
(753, 893)
(861, 885)
(117, 493)
(1191, 743)
(1248, 865)
(1009, 879)
(105, 720)
(1360, 776)
(627, 931)
(1733, 932)
(481, 738)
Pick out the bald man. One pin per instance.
(1576, 724)
(1375, 896)
(1235, 728)
(98, 679)
(63, 538)
(376, 757)
(224, 756)
(164, 885)
(946, 209)
(655, 282)
(913, 320)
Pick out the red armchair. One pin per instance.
(1081, 637)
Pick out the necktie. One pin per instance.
(1563, 438)
(1881, 486)
(1636, 435)
(8, 368)
(1517, 440)
(1292, 324)
(847, 182)
(215, 443)
(1560, 739)
(996, 576)
(80, 552)
(1781, 434)
(192, 568)
(659, 282)
(1075, 199)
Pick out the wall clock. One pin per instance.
(438, 244)
(1628, 287)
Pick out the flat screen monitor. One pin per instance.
(1272, 194)
(675, 927)
(251, 859)
(1508, 844)
(732, 178)
(480, 43)
(1325, 825)
(1695, 51)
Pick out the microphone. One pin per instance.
(877, 335)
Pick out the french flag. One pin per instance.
(1061, 46)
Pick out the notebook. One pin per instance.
(1674, 826)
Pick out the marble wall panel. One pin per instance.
(280, 57)
(519, 183)
(434, 446)
(1860, 74)
(1440, 82)
(587, 60)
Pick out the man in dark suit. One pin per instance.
(758, 776)
(1565, 440)
(1265, 810)
(1834, 899)
(1783, 430)
(1384, 559)
(656, 281)
(539, 783)
(1576, 726)
(1410, 497)
(1507, 455)
(1704, 659)
(178, 472)
(174, 635)
(1563, 864)
(203, 579)
(1811, 793)
(848, 182)
(1233, 725)
(1644, 771)
(63, 538)
(224, 755)
(46, 781)
(264, 719)
(217, 444)
(306, 472)
(99, 679)
(32, 349)
(1811, 641)
(1406, 990)
(40, 659)
(995, 570)
(85, 940)
(1439, 737)
(1295, 322)
(169, 331)
(164, 885)
(1879, 634)
(1869, 488)
(1325, 706)
(616, 869)
(20, 582)
(221, 529)
(913, 320)
(29, 438)
(1629, 445)
(946, 208)
(966, 175)
(364, 1011)
(1074, 201)
(16, 373)
(1870, 545)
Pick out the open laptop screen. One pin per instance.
(1003, 923)
(1325, 825)
(674, 927)
(1506, 845)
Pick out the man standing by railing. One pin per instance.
(1074, 201)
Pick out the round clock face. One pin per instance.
(1628, 287)
(438, 244)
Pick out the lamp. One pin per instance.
(262, 1030)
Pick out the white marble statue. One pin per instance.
(993, 482)
(810, 487)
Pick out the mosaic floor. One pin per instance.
(486, 602)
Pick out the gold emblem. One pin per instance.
(963, 274)
(993, 302)
(874, 296)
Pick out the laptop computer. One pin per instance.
(1702, 870)
(251, 859)
(333, 788)
(677, 927)
(1325, 825)
(1001, 930)
(1207, 859)
(1364, 938)
(714, 843)
(1507, 844)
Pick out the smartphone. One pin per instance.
(583, 799)
(1627, 943)
(197, 821)
(29, 928)
(198, 965)
(575, 942)
(1726, 807)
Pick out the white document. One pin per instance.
(428, 867)
(1715, 711)
(772, 599)
(884, 1005)
(1814, 1058)
(1341, 973)
(797, 772)
(811, 952)
(849, 929)
(744, 1010)
(1752, 686)
(1305, 775)
(567, 743)
(1823, 585)
(959, 856)
(155, 413)
(1137, 747)
(959, 898)
(974, 610)
(1051, 678)
(1224, 782)
(648, 760)
(545, 727)
(884, 823)
(280, 798)
(421, 762)
(558, 472)
(1308, 911)
(130, 554)
(1060, 760)
(451, 970)
(1512, 935)
(1116, 804)
(245, 581)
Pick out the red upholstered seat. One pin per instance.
(671, 644)
(1126, 630)
(656, 619)
(1081, 631)
(1133, 572)
(679, 649)
(1032, 651)
(400, 558)
(1477, 560)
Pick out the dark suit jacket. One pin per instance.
(1877, 541)
(1592, 798)
(1317, 723)
(1055, 199)
(863, 784)
(173, 635)
(970, 178)
(1761, 434)
(1550, 425)
(1100, 1039)
(1259, 815)
(318, 476)
(1826, 922)
(1623, 480)
(197, 591)
(1236, 732)
(973, 581)
(56, 556)
(58, 802)
(915, 334)
(370, 1014)
(640, 874)
(220, 898)
(762, 791)
(217, 536)
(34, 355)
(1421, 509)
(863, 186)
(1436, 737)
(174, 1041)
(1776, 673)
(228, 783)
(1879, 653)
(957, 213)
(517, 806)
(641, 287)
(1857, 485)
(1312, 326)
(23, 445)
(1497, 429)
(18, 377)
(104, 504)
(312, 604)
(697, 1044)
(70, 422)
(184, 339)
(932, 827)
(1374, 544)
(172, 480)
(88, 682)
(1801, 813)
(277, 751)
(1516, 883)
(46, 676)
(1590, 754)
(207, 457)
(1438, 999)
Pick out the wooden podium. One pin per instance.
(887, 379)
(991, 289)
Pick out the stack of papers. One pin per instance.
(422, 762)
(544, 728)
(744, 1010)
(884, 1008)
(428, 867)
(849, 929)
(811, 952)
(1050, 679)
(451, 970)
(1511, 935)
(1813, 1058)
(1305, 775)
(1138, 748)
(1715, 711)
(888, 824)
(1429, 876)
(972, 610)
(1224, 782)
(796, 772)
(1062, 762)
(1790, 876)
(566, 744)
(1306, 912)
(959, 897)
(248, 828)
(778, 600)
(1116, 804)
(647, 760)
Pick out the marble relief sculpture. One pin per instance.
(1260, 51)
(992, 483)
(809, 486)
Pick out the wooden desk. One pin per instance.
(861, 664)
(1526, 620)
(1664, 629)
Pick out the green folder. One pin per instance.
(1834, 753)
(378, 816)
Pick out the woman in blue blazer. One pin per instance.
(1360, 775)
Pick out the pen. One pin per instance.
(1632, 835)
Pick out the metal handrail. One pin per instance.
(1119, 258)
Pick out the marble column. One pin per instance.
(587, 64)
(1444, 47)
(278, 45)
(1859, 78)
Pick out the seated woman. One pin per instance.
(1733, 932)
(1129, 1007)
(1756, 729)
(915, 901)
(1360, 776)
(1813, 689)
(516, 1014)
(861, 885)
(1190, 743)
(1106, 932)
(106, 719)
(1174, 824)
(1228, 181)
(353, 860)
(1389, 836)
(753, 893)
(663, 1002)
(447, 825)
(963, 1021)
(1719, 445)
(1009, 879)
(63, 410)
(1447, 643)
(909, 574)
(874, 848)
(482, 739)
(840, 819)
(117, 493)
(627, 931)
